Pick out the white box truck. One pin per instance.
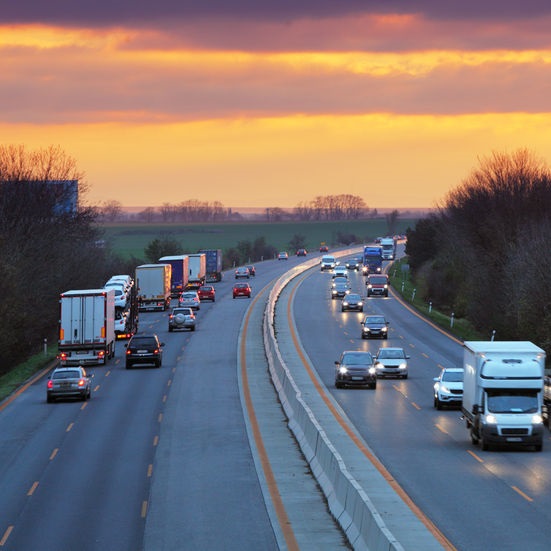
(153, 286)
(388, 244)
(86, 327)
(197, 270)
(503, 393)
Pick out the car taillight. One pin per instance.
(128, 351)
(156, 351)
(50, 384)
(63, 356)
(101, 353)
(81, 382)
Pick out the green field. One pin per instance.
(129, 240)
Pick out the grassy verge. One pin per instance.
(20, 374)
(400, 278)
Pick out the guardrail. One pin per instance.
(348, 501)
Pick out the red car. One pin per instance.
(241, 290)
(324, 249)
(206, 292)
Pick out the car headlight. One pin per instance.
(372, 371)
(344, 303)
(343, 370)
(379, 365)
(384, 329)
(365, 329)
(537, 419)
(445, 389)
(403, 366)
(490, 419)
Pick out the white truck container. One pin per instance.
(197, 270)
(153, 286)
(86, 327)
(388, 244)
(503, 392)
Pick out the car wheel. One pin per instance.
(385, 337)
(484, 446)
(49, 399)
(170, 329)
(404, 376)
(128, 365)
(338, 384)
(437, 404)
(373, 386)
(193, 328)
(342, 310)
(89, 393)
(361, 309)
(474, 437)
(538, 447)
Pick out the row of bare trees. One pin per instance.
(484, 254)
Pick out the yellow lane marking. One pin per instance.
(144, 509)
(425, 355)
(357, 441)
(83, 406)
(520, 492)
(155, 440)
(149, 470)
(6, 536)
(54, 453)
(441, 429)
(96, 388)
(479, 459)
(160, 417)
(69, 427)
(32, 489)
(281, 513)
(416, 406)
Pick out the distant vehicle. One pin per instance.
(252, 270)
(340, 290)
(374, 327)
(68, 382)
(213, 263)
(121, 292)
(377, 284)
(339, 279)
(179, 272)
(373, 259)
(207, 292)
(448, 387)
(388, 244)
(144, 349)
(189, 299)
(197, 264)
(392, 362)
(241, 290)
(340, 271)
(355, 368)
(153, 283)
(302, 252)
(283, 255)
(324, 249)
(354, 263)
(352, 301)
(181, 318)
(242, 272)
(327, 263)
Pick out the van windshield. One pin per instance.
(515, 401)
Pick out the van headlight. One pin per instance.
(490, 419)
(343, 370)
(537, 419)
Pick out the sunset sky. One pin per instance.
(264, 104)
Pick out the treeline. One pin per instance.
(43, 250)
(322, 208)
(483, 254)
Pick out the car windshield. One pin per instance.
(143, 342)
(241, 285)
(452, 376)
(375, 319)
(188, 295)
(353, 297)
(513, 402)
(357, 358)
(378, 280)
(390, 354)
(69, 374)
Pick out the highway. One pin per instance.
(169, 458)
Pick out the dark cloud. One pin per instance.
(113, 12)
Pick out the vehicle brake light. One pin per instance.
(101, 353)
(63, 356)
(128, 351)
(81, 382)
(50, 384)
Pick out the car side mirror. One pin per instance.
(436, 379)
(162, 344)
(337, 363)
(407, 357)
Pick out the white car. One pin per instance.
(448, 387)
(327, 262)
(340, 271)
(392, 362)
(121, 296)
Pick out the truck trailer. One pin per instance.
(372, 260)
(86, 327)
(213, 264)
(503, 393)
(180, 272)
(153, 286)
(197, 270)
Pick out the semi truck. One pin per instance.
(213, 264)
(153, 286)
(179, 274)
(86, 327)
(388, 246)
(372, 260)
(503, 393)
(197, 270)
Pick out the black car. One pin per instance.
(252, 270)
(352, 301)
(355, 368)
(354, 263)
(144, 349)
(375, 327)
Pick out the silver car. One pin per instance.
(181, 318)
(68, 382)
(392, 362)
(189, 299)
